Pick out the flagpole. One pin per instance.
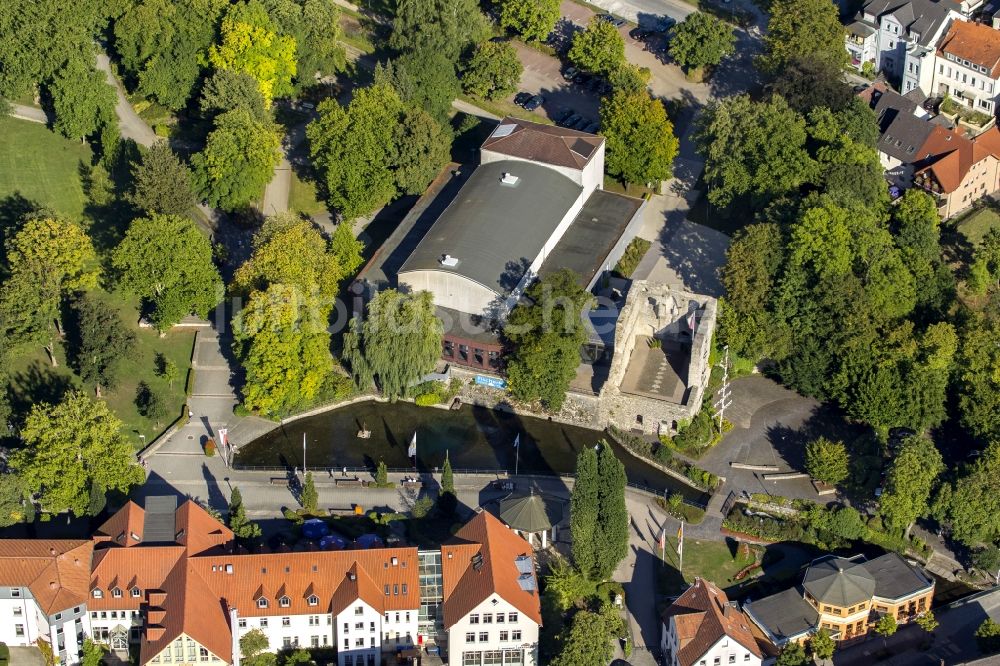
(303, 454)
(517, 451)
(680, 548)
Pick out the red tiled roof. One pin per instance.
(465, 587)
(119, 528)
(948, 155)
(543, 143)
(145, 568)
(198, 531)
(702, 616)
(975, 42)
(57, 571)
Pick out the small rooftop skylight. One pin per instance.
(503, 130)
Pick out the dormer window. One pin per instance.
(284, 602)
(98, 594)
(313, 600)
(116, 593)
(262, 603)
(135, 592)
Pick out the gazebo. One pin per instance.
(532, 517)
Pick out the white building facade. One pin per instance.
(495, 633)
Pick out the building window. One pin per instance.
(18, 611)
(493, 658)
(470, 637)
(15, 592)
(504, 636)
(262, 603)
(263, 623)
(746, 657)
(484, 637)
(359, 642)
(284, 602)
(472, 658)
(314, 641)
(286, 641)
(487, 618)
(286, 621)
(359, 625)
(98, 594)
(395, 590)
(404, 589)
(474, 618)
(515, 635)
(359, 610)
(512, 617)
(732, 659)
(242, 623)
(313, 600)
(116, 593)
(347, 644)
(135, 592)
(387, 589)
(717, 661)
(19, 630)
(500, 618)
(314, 620)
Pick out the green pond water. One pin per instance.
(473, 437)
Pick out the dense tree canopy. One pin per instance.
(587, 644)
(803, 29)
(228, 89)
(70, 446)
(102, 342)
(84, 103)
(315, 27)
(827, 461)
(599, 49)
(493, 71)
(701, 40)
(166, 261)
(584, 510)
(397, 342)
(532, 19)
(420, 148)
(641, 145)
(161, 183)
(970, 503)
(910, 481)
(447, 27)
(546, 336)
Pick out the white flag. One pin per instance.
(412, 452)
(691, 321)
(517, 440)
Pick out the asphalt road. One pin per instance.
(131, 125)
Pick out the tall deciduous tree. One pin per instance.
(161, 183)
(532, 19)
(315, 27)
(420, 148)
(57, 247)
(792, 654)
(228, 89)
(434, 79)
(909, 483)
(701, 40)
(588, 642)
(70, 446)
(447, 476)
(352, 147)
(12, 499)
(973, 500)
(599, 49)
(827, 460)
(397, 343)
(249, 43)
(165, 260)
(238, 160)
(441, 26)
(612, 514)
(547, 335)
(104, 341)
(803, 29)
(979, 358)
(282, 341)
(641, 144)
(753, 264)
(585, 510)
(493, 71)
(821, 645)
(84, 103)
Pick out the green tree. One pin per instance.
(701, 40)
(599, 49)
(927, 621)
(242, 527)
(978, 360)
(163, 46)
(988, 637)
(585, 510)
(310, 496)
(93, 653)
(439, 26)
(98, 499)
(381, 473)
(420, 148)
(104, 341)
(150, 403)
(493, 71)
(973, 500)
(827, 461)
(753, 266)
(352, 148)
(253, 645)
(70, 446)
(886, 626)
(909, 483)
(83, 102)
(565, 586)
(315, 27)
(161, 183)
(432, 82)
(12, 499)
(806, 83)
(28, 310)
(397, 343)
(238, 160)
(821, 646)
(283, 344)
(531, 19)
(803, 29)
(291, 251)
(166, 261)
(753, 148)
(641, 145)
(611, 542)
(168, 371)
(347, 249)
(228, 89)
(629, 79)
(249, 43)
(846, 523)
(793, 654)
(987, 558)
(296, 657)
(57, 247)
(447, 477)
(588, 642)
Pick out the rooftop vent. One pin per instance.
(449, 261)
(395, 561)
(509, 178)
(351, 576)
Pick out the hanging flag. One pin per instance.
(517, 440)
(680, 538)
(663, 538)
(691, 321)
(412, 452)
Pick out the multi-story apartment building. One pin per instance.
(958, 171)
(968, 66)
(172, 581)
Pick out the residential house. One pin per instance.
(968, 66)
(903, 129)
(491, 606)
(844, 596)
(703, 628)
(898, 37)
(959, 171)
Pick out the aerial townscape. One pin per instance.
(499, 332)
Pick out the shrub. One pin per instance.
(633, 254)
(422, 507)
(427, 399)
(210, 448)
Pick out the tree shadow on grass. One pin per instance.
(38, 383)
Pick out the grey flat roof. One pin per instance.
(158, 524)
(785, 614)
(592, 236)
(496, 230)
(894, 577)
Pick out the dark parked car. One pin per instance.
(569, 73)
(639, 34)
(564, 116)
(591, 128)
(570, 121)
(580, 124)
(665, 24)
(581, 78)
(522, 98)
(534, 103)
(613, 20)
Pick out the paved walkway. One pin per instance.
(131, 125)
(30, 113)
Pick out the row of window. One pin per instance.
(493, 658)
(116, 592)
(114, 615)
(484, 636)
(395, 589)
(349, 660)
(966, 63)
(314, 621)
(732, 659)
(285, 602)
(487, 618)
(358, 642)
(984, 84)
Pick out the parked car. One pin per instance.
(534, 103)
(665, 24)
(640, 34)
(522, 98)
(613, 20)
(580, 124)
(570, 121)
(591, 128)
(570, 73)
(564, 116)
(581, 78)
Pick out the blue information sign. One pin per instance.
(492, 382)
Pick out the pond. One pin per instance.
(473, 437)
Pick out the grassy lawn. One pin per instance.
(711, 560)
(42, 166)
(33, 379)
(506, 108)
(975, 226)
(302, 197)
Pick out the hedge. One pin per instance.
(663, 455)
